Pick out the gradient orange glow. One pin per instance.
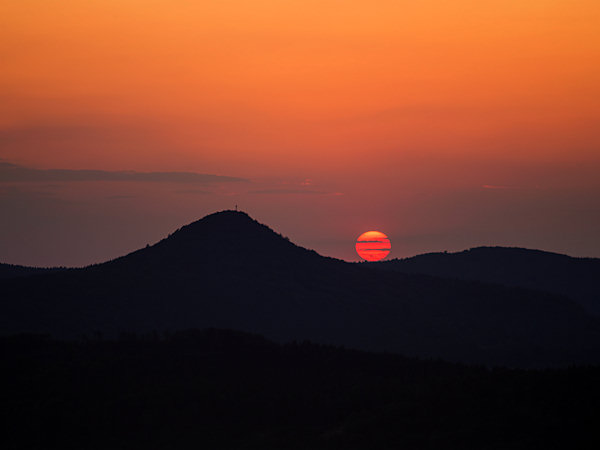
(373, 246)
(405, 111)
(270, 84)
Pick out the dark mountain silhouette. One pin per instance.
(229, 271)
(219, 389)
(13, 271)
(577, 278)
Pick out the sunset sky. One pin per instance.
(444, 124)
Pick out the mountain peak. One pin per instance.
(227, 236)
(226, 218)
(224, 225)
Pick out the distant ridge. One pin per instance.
(577, 278)
(229, 271)
(14, 271)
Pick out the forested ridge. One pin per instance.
(225, 389)
(229, 271)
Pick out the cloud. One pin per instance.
(73, 131)
(193, 191)
(15, 173)
(495, 186)
(120, 197)
(384, 241)
(292, 191)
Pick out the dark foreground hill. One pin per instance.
(14, 271)
(228, 390)
(577, 278)
(229, 271)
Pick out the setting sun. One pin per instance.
(373, 246)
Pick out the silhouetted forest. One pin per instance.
(576, 278)
(229, 271)
(99, 357)
(230, 390)
(14, 271)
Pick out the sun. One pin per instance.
(373, 245)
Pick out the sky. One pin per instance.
(444, 124)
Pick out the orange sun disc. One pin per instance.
(373, 245)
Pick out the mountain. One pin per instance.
(229, 271)
(577, 278)
(220, 389)
(13, 271)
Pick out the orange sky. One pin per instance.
(393, 110)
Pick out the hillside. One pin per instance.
(228, 390)
(14, 271)
(577, 278)
(229, 271)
